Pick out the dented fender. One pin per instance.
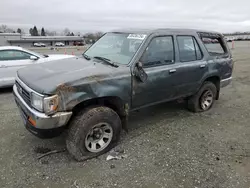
(94, 87)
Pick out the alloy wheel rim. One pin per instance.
(99, 137)
(206, 100)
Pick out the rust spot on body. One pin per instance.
(65, 88)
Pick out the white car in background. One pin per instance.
(13, 58)
(59, 44)
(39, 44)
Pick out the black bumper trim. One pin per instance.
(44, 133)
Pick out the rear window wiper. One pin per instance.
(106, 60)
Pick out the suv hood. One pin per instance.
(46, 77)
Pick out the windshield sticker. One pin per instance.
(137, 36)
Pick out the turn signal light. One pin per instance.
(33, 122)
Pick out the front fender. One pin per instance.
(70, 96)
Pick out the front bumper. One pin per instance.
(43, 123)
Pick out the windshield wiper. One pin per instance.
(86, 57)
(106, 60)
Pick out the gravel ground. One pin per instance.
(166, 146)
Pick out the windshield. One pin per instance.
(117, 47)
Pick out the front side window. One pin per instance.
(6, 55)
(188, 48)
(117, 47)
(160, 51)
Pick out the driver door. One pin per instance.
(159, 64)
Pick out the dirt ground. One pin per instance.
(167, 146)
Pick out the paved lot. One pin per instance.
(167, 146)
(70, 50)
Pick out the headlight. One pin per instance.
(37, 101)
(50, 104)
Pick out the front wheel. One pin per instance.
(93, 132)
(204, 99)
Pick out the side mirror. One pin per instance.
(33, 58)
(140, 73)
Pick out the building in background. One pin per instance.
(16, 39)
(4, 37)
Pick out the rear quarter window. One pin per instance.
(214, 45)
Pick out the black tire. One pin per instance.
(83, 123)
(194, 103)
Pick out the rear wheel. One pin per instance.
(93, 132)
(204, 99)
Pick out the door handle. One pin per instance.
(3, 66)
(202, 66)
(172, 70)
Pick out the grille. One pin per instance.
(24, 94)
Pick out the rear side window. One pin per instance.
(188, 48)
(214, 45)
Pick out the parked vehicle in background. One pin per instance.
(78, 43)
(215, 41)
(13, 58)
(59, 44)
(39, 44)
(207, 40)
(92, 99)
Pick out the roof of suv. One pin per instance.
(163, 30)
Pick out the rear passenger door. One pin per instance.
(192, 66)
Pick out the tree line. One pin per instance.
(6, 29)
(66, 32)
(34, 31)
(237, 33)
(92, 37)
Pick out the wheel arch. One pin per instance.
(113, 102)
(215, 79)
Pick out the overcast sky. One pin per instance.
(103, 15)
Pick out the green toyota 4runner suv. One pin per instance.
(91, 96)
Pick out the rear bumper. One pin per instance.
(225, 82)
(45, 125)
